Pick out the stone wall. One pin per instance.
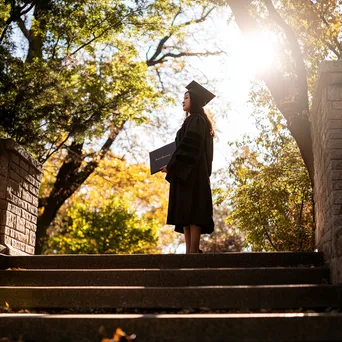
(20, 177)
(326, 120)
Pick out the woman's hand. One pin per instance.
(163, 169)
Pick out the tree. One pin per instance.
(83, 78)
(113, 228)
(310, 33)
(270, 198)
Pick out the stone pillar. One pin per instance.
(326, 120)
(20, 177)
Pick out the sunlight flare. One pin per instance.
(256, 52)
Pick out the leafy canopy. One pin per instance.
(84, 74)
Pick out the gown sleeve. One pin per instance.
(189, 150)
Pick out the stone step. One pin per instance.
(165, 277)
(292, 327)
(213, 297)
(160, 261)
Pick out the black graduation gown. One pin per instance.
(189, 169)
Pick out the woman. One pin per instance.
(190, 203)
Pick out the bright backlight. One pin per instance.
(256, 51)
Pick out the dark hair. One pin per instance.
(196, 107)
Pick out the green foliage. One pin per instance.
(112, 228)
(41, 109)
(4, 12)
(270, 196)
(83, 74)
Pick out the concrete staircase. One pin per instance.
(205, 297)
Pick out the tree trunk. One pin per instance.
(36, 35)
(69, 178)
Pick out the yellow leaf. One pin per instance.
(118, 333)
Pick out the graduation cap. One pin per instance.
(204, 95)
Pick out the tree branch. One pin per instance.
(23, 28)
(158, 50)
(90, 41)
(242, 16)
(183, 54)
(161, 45)
(331, 47)
(160, 80)
(28, 9)
(336, 41)
(3, 33)
(296, 53)
(176, 16)
(101, 34)
(268, 236)
(53, 55)
(197, 21)
(57, 148)
(16, 13)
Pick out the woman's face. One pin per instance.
(186, 103)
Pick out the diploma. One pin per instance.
(161, 157)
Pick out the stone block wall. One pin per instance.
(326, 128)
(20, 177)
